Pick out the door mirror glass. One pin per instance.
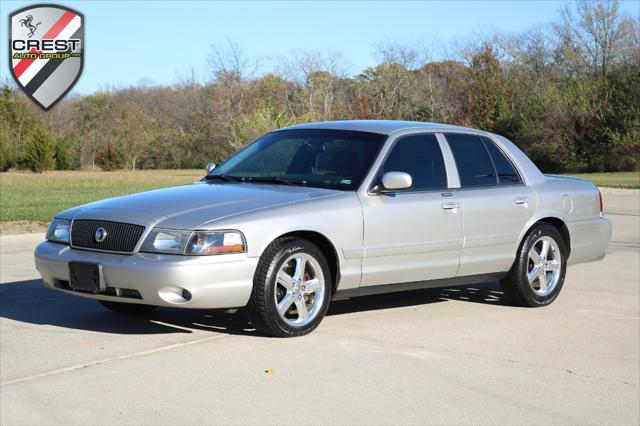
(211, 167)
(396, 181)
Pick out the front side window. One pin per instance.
(337, 159)
(419, 156)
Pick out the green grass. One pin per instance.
(28, 200)
(613, 180)
(38, 197)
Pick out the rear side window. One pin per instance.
(419, 156)
(475, 166)
(506, 172)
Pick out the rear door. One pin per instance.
(414, 234)
(496, 204)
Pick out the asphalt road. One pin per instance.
(451, 356)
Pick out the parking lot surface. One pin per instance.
(453, 355)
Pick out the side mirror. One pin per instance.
(211, 167)
(393, 181)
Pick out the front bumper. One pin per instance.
(223, 281)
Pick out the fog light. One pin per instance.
(174, 295)
(186, 295)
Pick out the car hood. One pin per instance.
(193, 206)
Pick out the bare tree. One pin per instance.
(316, 75)
(596, 34)
(231, 61)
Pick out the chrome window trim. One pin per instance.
(472, 188)
(453, 178)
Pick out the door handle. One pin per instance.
(450, 206)
(521, 201)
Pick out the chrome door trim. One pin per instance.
(413, 248)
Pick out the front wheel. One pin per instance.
(291, 289)
(537, 274)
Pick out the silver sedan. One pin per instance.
(332, 210)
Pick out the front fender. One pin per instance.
(338, 219)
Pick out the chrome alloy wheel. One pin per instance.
(544, 266)
(299, 290)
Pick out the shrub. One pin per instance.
(64, 155)
(39, 152)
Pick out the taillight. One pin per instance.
(600, 194)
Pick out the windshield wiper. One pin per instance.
(225, 178)
(278, 180)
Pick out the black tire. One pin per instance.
(515, 285)
(127, 308)
(261, 308)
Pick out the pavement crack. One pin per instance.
(477, 355)
(112, 359)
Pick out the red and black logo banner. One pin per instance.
(46, 49)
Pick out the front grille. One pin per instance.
(121, 237)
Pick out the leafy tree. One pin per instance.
(110, 158)
(16, 123)
(63, 153)
(487, 91)
(39, 152)
(133, 133)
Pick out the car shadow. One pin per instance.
(30, 302)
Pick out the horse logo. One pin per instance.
(27, 22)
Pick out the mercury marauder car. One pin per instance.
(319, 211)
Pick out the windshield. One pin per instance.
(337, 159)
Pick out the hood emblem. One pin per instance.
(100, 235)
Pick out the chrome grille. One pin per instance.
(121, 237)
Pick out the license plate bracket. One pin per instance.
(86, 276)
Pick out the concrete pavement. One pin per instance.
(451, 356)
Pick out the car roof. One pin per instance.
(385, 127)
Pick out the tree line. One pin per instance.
(567, 93)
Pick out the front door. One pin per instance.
(416, 234)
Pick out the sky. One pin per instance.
(131, 43)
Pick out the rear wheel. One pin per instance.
(291, 289)
(537, 275)
(127, 308)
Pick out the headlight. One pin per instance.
(216, 242)
(201, 243)
(166, 241)
(58, 231)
